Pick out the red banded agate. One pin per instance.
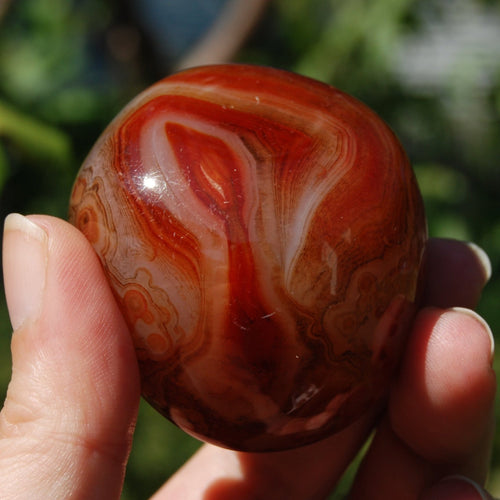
(263, 234)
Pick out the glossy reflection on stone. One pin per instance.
(263, 234)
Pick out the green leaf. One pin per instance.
(33, 137)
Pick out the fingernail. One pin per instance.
(458, 487)
(483, 259)
(482, 322)
(25, 256)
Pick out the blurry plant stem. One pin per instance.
(34, 138)
(4, 167)
(226, 35)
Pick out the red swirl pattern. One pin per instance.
(263, 235)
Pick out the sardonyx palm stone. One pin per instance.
(262, 233)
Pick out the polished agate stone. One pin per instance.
(263, 234)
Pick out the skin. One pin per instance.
(67, 423)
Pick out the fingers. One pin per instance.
(456, 273)
(309, 472)
(65, 429)
(442, 403)
(456, 488)
(440, 418)
(441, 410)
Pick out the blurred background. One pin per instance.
(430, 68)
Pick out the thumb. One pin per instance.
(67, 421)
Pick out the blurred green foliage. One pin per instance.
(63, 76)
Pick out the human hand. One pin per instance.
(67, 423)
